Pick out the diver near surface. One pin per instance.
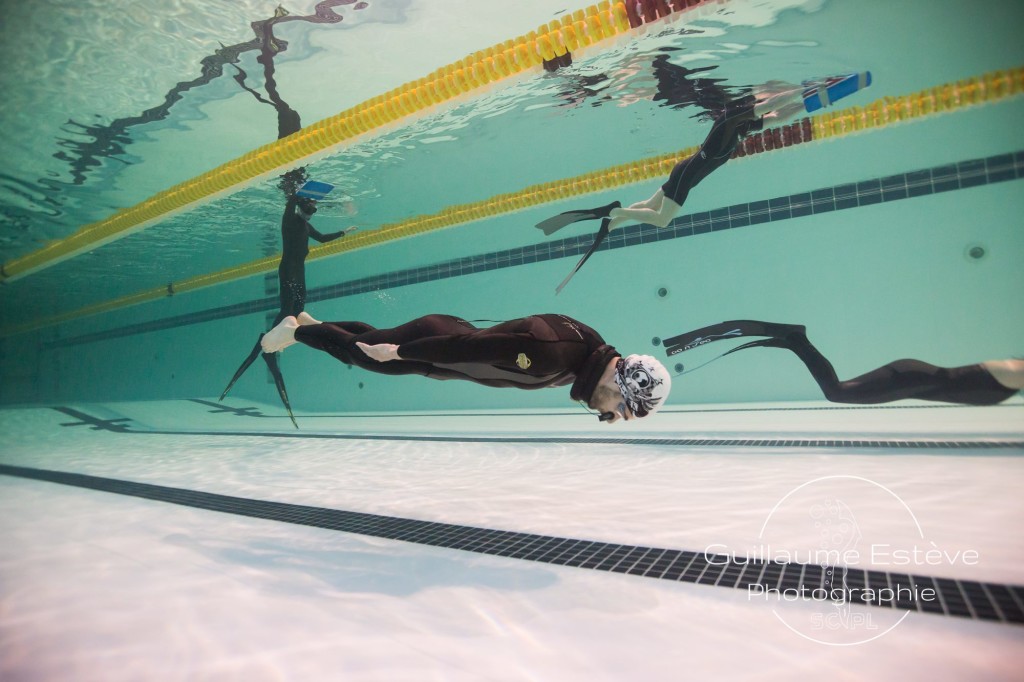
(300, 205)
(539, 351)
(296, 231)
(733, 118)
(984, 383)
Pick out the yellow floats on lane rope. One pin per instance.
(581, 29)
(989, 87)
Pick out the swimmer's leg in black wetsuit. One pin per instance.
(736, 120)
(899, 380)
(291, 279)
(339, 340)
(716, 150)
(719, 145)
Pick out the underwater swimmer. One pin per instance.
(539, 351)
(733, 118)
(296, 231)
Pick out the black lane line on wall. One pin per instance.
(948, 596)
(946, 178)
(667, 442)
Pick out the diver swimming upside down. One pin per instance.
(733, 119)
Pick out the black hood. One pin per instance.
(590, 374)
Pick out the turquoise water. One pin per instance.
(137, 543)
(872, 283)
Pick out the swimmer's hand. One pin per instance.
(381, 352)
(349, 229)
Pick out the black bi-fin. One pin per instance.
(275, 371)
(243, 367)
(598, 238)
(732, 329)
(556, 223)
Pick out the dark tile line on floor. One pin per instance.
(907, 592)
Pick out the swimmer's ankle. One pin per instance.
(281, 336)
(305, 319)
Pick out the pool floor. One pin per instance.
(186, 540)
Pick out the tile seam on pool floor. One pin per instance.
(953, 597)
(909, 185)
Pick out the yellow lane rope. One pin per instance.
(990, 87)
(573, 33)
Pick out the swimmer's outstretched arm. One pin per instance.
(330, 237)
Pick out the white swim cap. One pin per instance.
(644, 383)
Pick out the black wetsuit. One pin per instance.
(533, 352)
(729, 126)
(731, 109)
(291, 273)
(899, 380)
